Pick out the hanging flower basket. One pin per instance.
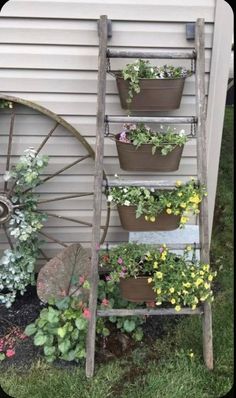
(137, 289)
(163, 222)
(142, 159)
(154, 95)
(143, 87)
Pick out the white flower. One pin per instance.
(182, 133)
(127, 203)
(109, 198)
(7, 176)
(136, 68)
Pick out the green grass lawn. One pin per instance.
(165, 369)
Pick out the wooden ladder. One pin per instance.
(199, 57)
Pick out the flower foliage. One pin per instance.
(166, 140)
(17, 264)
(183, 200)
(5, 104)
(142, 69)
(176, 279)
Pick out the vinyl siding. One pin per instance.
(48, 54)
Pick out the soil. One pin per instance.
(26, 309)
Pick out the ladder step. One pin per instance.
(170, 246)
(151, 54)
(147, 119)
(147, 311)
(162, 184)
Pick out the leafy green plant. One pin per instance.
(61, 329)
(176, 279)
(166, 140)
(182, 200)
(17, 265)
(5, 104)
(142, 69)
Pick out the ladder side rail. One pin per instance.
(97, 202)
(151, 54)
(202, 177)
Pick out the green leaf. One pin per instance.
(48, 351)
(64, 346)
(69, 356)
(30, 329)
(62, 331)
(40, 339)
(81, 323)
(63, 304)
(129, 326)
(2, 356)
(52, 315)
(105, 332)
(50, 358)
(81, 353)
(138, 335)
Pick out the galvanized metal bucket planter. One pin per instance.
(155, 94)
(137, 289)
(164, 221)
(142, 159)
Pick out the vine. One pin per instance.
(17, 264)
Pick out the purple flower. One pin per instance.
(122, 274)
(108, 278)
(120, 261)
(161, 249)
(123, 137)
(124, 269)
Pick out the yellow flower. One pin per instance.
(176, 212)
(155, 264)
(149, 280)
(173, 301)
(177, 308)
(193, 306)
(206, 267)
(185, 292)
(191, 354)
(180, 194)
(187, 284)
(152, 219)
(159, 275)
(178, 183)
(163, 255)
(195, 199)
(198, 281)
(168, 211)
(193, 275)
(183, 205)
(197, 211)
(210, 278)
(203, 298)
(196, 300)
(171, 290)
(146, 218)
(189, 248)
(168, 205)
(183, 220)
(158, 303)
(201, 272)
(207, 285)
(159, 291)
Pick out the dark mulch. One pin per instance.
(27, 308)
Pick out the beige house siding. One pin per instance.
(48, 54)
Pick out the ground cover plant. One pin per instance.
(168, 363)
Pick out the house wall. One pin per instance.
(48, 54)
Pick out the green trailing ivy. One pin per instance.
(17, 265)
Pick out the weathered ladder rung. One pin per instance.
(148, 119)
(170, 246)
(146, 311)
(151, 54)
(162, 184)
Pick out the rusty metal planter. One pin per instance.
(164, 221)
(137, 289)
(142, 159)
(155, 94)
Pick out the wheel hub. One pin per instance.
(6, 209)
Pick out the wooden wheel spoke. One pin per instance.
(59, 172)
(71, 219)
(8, 237)
(52, 239)
(57, 199)
(46, 138)
(9, 147)
(44, 255)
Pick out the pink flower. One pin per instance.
(23, 336)
(108, 278)
(10, 353)
(105, 302)
(122, 274)
(120, 261)
(81, 280)
(124, 269)
(161, 249)
(86, 313)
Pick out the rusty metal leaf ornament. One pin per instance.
(64, 274)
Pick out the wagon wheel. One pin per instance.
(49, 203)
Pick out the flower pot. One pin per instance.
(154, 95)
(142, 159)
(164, 221)
(137, 289)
